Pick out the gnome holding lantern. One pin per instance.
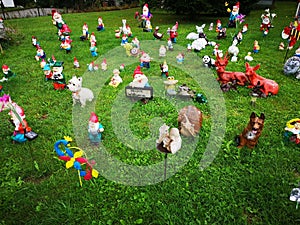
(95, 129)
(233, 14)
(7, 73)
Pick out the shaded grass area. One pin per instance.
(239, 187)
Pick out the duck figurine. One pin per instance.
(248, 57)
(156, 34)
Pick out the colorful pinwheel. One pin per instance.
(81, 164)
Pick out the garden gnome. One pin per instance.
(218, 25)
(145, 15)
(85, 32)
(233, 14)
(145, 60)
(170, 86)
(100, 26)
(58, 76)
(93, 49)
(21, 126)
(95, 129)
(116, 79)
(7, 73)
(76, 63)
(164, 68)
(40, 54)
(162, 51)
(139, 79)
(180, 58)
(47, 72)
(245, 28)
(42, 63)
(93, 38)
(34, 41)
(211, 27)
(124, 40)
(104, 65)
(170, 45)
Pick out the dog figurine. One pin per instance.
(78, 92)
(249, 136)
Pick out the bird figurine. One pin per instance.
(156, 34)
(248, 57)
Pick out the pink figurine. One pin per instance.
(76, 63)
(100, 26)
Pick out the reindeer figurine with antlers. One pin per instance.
(227, 76)
(268, 86)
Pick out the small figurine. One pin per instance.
(218, 26)
(233, 15)
(266, 23)
(248, 57)
(95, 129)
(156, 34)
(104, 65)
(85, 32)
(139, 79)
(245, 28)
(116, 79)
(126, 28)
(51, 61)
(185, 92)
(164, 68)
(292, 130)
(40, 54)
(211, 26)
(18, 119)
(173, 33)
(118, 32)
(93, 38)
(79, 93)
(145, 60)
(100, 26)
(122, 67)
(145, 15)
(168, 141)
(162, 51)
(66, 45)
(281, 46)
(59, 82)
(250, 135)
(238, 37)
(189, 48)
(257, 91)
(222, 34)
(189, 121)
(7, 73)
(42, 63)
(34, 41)
(170, 86)
(208, 61)
(256, 47)
(295, 196)
(180, 58)
(124, 40)
(233, 49)
(170, 45)
(93, 49)
(135, 43)
(47, 72)
(92, 66)
(76, 63)
(148, 26)
(57, 19)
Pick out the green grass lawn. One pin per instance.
(237, 186)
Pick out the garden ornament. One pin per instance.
(233, 15)
(170, 86)
(100, 26)
(295, 196)
(268, 86)
(93, 49)
(145, 60)
(164, 69)
(139, 79)
(162, 51)
(104, 65)
(156, 34)
(180, 58)
(207, 61)
(79, 93)
(8, 74)
(256, 47)
(95, 129)
(189, 121)
(81, 164)
(48, 72)
(250, 135)
(116, 79)
(169, 141)
(59, 82)
(292, 130)
(76, 63)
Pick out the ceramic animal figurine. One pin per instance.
(169, 141)
(207, 61)
(95, 129)
(193, 35)
(189, 121)
(156, 34)
(268, 86)
(250, 135)
(79, 93)
(248, 57)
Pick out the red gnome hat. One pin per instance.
(5, 67)
(237, 5)
(94, 118)
(75, 59)
(137, 71)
